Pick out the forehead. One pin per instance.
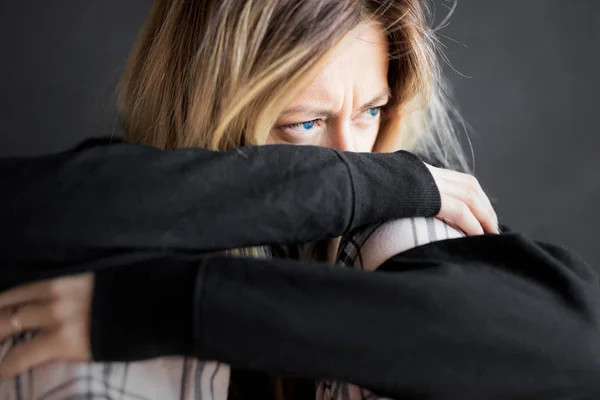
(357, 66)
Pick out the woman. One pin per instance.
(437, 313)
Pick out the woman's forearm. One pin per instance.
(132, 197)
(478, 317)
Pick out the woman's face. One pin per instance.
(341, 107)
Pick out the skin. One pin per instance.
(341, 109)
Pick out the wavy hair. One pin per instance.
(217, 73)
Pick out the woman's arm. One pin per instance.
(104, 198)
(126, 197)
(478, 317)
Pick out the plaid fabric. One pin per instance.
(172, 378)
(165, 378)
(349, 253)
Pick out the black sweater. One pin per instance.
(479, 317)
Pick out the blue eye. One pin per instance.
(373, 111)
(308, 124)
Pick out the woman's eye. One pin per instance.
(308, 125)
(302, 126)
(373, 111)
(301, 132)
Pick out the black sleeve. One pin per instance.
(128, 197)
(473, 318)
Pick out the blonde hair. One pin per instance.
(217, 73)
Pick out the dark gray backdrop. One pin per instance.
(533, 69)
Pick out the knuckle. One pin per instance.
(62, 336)
(83, 287)
(70, 339)
(463, 211)
(489, 216)
(471, 179)
(55, 288)
(471, 196)
(67, 333)
(472, 182)
(480, 211)
(56, 311)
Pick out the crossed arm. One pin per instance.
(436, 313)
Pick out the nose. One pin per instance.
(341, 137)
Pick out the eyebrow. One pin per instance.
(315, 112)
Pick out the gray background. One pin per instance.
(530, 96)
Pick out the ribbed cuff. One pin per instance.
(390, 186)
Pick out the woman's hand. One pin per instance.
(58, 311)
(465, 205)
